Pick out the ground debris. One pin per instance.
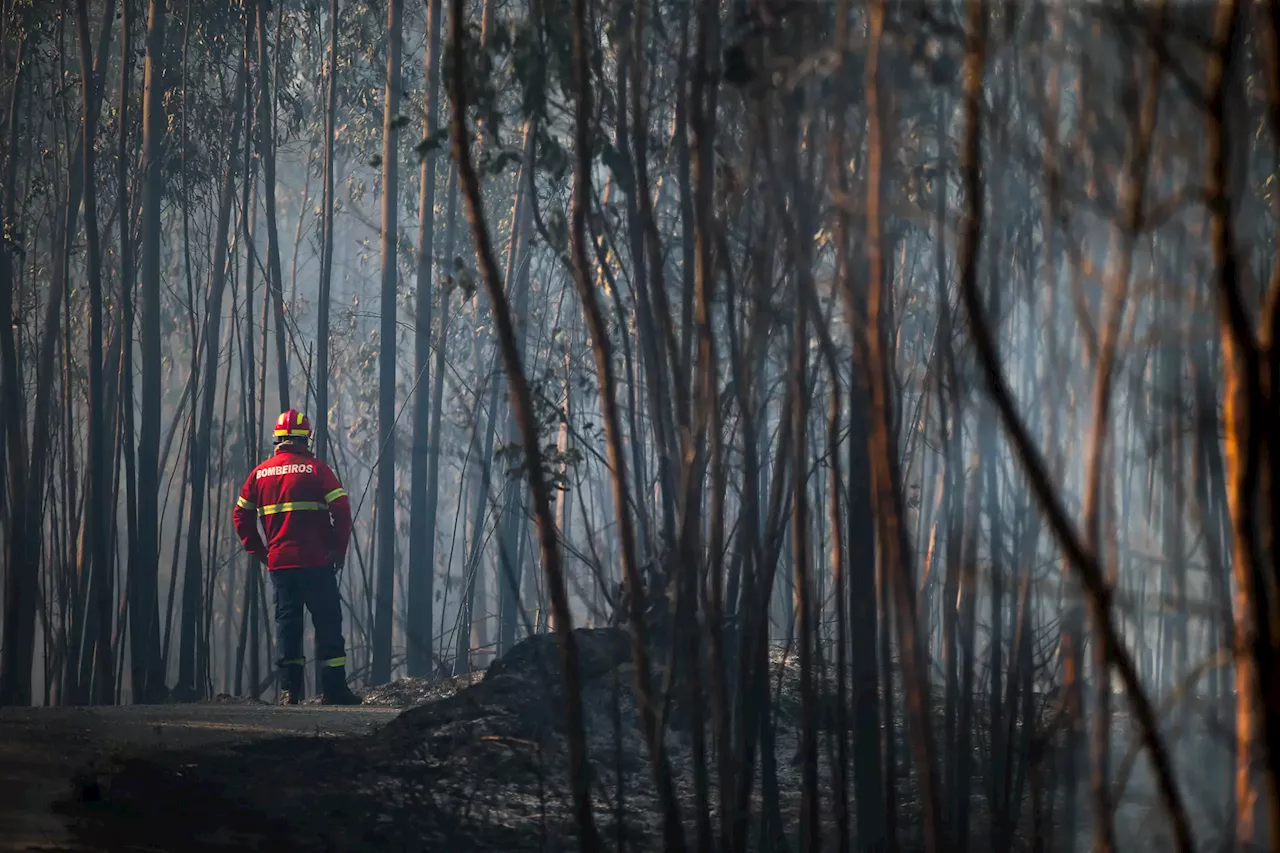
(478, 763)
(411, 692)
(228, 699)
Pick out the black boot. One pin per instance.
(334, 687)
(292, 683)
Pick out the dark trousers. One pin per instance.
(317, 591)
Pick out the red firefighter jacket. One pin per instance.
(304, 511)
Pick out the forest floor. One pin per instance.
(458, 764)
(475, 763)
(61, 769)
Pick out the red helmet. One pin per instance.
(293, 425)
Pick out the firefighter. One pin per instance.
(307, 518)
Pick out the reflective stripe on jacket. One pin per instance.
(303, 509)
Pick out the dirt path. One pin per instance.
(48, 756)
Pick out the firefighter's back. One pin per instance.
(294, 490)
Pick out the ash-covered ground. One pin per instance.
(473, 763)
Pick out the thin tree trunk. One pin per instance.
(381, 672)
(98, 563)
(1085, 563)
(512, 513)
(422, 527)
(1133, 187)
(868, 780)
(471, 630)
(966, 619)
(21, 597)
(431, 501)
(673, 831)
(1257, 729)
(522, 400)
(267, 151)
(190, 679)
(651, 353)
(884, 462)
(19, 538)
(321, 415)
(145, 629)
(139, 653)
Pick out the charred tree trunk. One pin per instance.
(191, 680)
(381, 672)
(522, 400)
(145, 626)
(422, 526)
(21, 595)
(18, 586)
(868, 773)
(509, 567)
(1085, 563)
(1257, 725)
(124, 213)
(95, 564)
(431, 501)
(267, 151)
(321, 416)
(885, 479)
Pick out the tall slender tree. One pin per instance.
(521, 398)
(325, 288)
(18, 538)
(124, 215)
(422, 526)
(21, 594)
(95, 561)
(386, 580)
(267, 153)
(145, 609)
(191, 681)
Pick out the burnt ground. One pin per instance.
(61, 766)
(472, 764)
